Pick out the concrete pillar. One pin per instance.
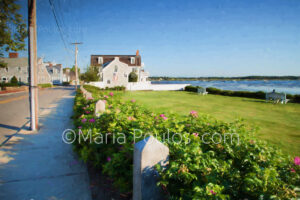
(148, 153)
(99, 107)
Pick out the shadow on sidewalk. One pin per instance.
(40, 165)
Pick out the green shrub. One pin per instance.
(296, 98)
(14, 80)
(190, 88)
(133, 77)
(45, 85)
(95, 89)
(66, 83)
(4, 85)
(245, 169)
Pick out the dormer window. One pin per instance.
(100, 60)
(132, 60)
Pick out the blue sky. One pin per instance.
(177, 37)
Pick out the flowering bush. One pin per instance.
(245, 168)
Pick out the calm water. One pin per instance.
(289, 87)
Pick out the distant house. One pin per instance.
(114, 70)
(69, 76)
(55, 71)
(18, 67)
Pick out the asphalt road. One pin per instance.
(14, 108)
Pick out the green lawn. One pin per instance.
(279, 124)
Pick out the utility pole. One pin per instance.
(32, 65)
(76, 71)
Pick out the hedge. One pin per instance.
(45, 85)
(248, 169)
(93, 88)
(248, 94)
(4, 85)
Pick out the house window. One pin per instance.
(4, 79)
(125, 75)
(132, 60)
(100, 60)
(6, 68)
(20, 79)
(134, 70)
(19, 69)
(108, 81)
(116, 68)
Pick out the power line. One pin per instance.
(58, 26)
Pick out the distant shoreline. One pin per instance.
(248, 78)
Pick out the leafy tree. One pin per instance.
(14, 80)
(91, 74)
(12, 27)
(133, 77)
(73, 69)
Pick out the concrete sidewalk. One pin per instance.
(40, 166)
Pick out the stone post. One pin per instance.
(148, 153)
(99, 107)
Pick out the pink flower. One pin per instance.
(104, 101)
(297, 160)
(87, 112)
(105, 96)
(195, 134)
(92, 120)
(213, 192)
(108, 159)
(293, 170)
(79, 127)
(162, 115)
(83, 120)
(110, 106)
(132, 100)
(194, 113)
(90, 98)
(111, 94)
(130, 118)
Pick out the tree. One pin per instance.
(133, 77)
(14, 80)
(73, 69)
(91, 74)
(12, 27)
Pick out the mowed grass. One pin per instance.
(279, 124)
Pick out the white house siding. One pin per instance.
(43, 75)
(18, 67)
(112, 78)
(56, 72)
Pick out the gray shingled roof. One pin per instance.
(15, 62)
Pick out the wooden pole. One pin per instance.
(32, 65)
(76, 68)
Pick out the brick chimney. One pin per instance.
(137, 53)
(13, 55)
